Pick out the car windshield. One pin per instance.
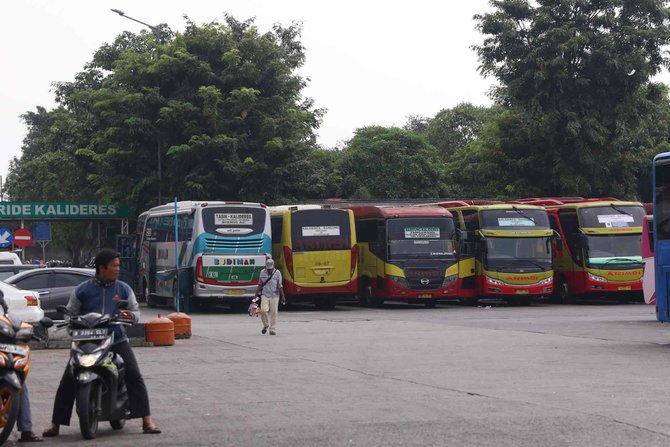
(516, 253)
(614, 249)
(420, 237)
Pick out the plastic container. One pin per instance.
(182, 324)
(160, 331)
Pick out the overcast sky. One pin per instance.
(370, 62)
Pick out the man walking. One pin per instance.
(270, 289)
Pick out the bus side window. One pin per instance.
(471, 219)
(277, 224)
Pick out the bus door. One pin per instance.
(648, 260)
(322, 246)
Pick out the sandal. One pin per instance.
(151, 430)
(50, 432)
(28, 436)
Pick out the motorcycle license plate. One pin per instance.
(89, 334)
(12, 349)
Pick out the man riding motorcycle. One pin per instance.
(102, 294)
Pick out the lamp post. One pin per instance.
(159, 37)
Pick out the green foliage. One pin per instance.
(452, 129)
(575, 75)
(390, 163)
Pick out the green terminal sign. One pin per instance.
(63, 210)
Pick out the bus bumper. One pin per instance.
(333, 288)
(517, 290)
(231, 293)
(395, 291)
(613, 288)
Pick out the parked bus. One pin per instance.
(661, 222)
(406, 254)
(602, 253)
(505, 251)
(222, 249)
(315, 249)
(648, 277)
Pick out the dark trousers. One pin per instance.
(137, 390)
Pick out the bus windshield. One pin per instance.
(611, 250)
(234, 220)
(518, 253)
(320, 230)
(515, 218)
(613, 216)
(420, 237)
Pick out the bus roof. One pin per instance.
(593, 204)
(386, 212)
(188, 206)
(281, 208)
(498, 206)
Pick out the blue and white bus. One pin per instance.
(661, 181)
(222, 249)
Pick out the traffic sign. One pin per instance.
(42, 231)
(6, 238)
(23, 238)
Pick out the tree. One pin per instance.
(577, 75)
(390, 163)
(451, 129)
(219, 105)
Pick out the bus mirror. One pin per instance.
(462, 235)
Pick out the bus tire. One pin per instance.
(152, 301)
(471, 302)
(376, 302)
(364, 294)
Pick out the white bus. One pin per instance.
(222, 249)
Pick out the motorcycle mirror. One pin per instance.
(46, 322)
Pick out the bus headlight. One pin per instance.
(497, 282)
(593, 277)
(448, 280)
(399, 280)
(545, 281)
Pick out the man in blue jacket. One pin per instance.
(101, 294)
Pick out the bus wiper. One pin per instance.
(616, 208)
(633, 261)
(522, 214)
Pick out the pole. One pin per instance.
(176, 255)
(23, 249)
(160, 175)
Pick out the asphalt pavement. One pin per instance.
(547, 375)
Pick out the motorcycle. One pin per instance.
(98, 372)
(15, 357)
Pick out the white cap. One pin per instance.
(269, 264)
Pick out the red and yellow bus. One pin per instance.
(406, 254)
(505, 251)
(602, 251)
(315, 249)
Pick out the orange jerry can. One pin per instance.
(160, 331)
(182, 324)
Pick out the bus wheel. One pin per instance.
(376, 302)
(152, 301)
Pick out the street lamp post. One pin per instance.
(159, 37)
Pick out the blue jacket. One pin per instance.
(92, 296)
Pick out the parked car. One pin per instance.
(54, 285)
(23, 304)
(10, 270)
(9, 258)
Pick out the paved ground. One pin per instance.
(546, 375)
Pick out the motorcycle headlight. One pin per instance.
(593, 277)
(497, 282)
(448, 280)
(88, 360)
(398, 280)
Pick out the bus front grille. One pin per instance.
(213, 244)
